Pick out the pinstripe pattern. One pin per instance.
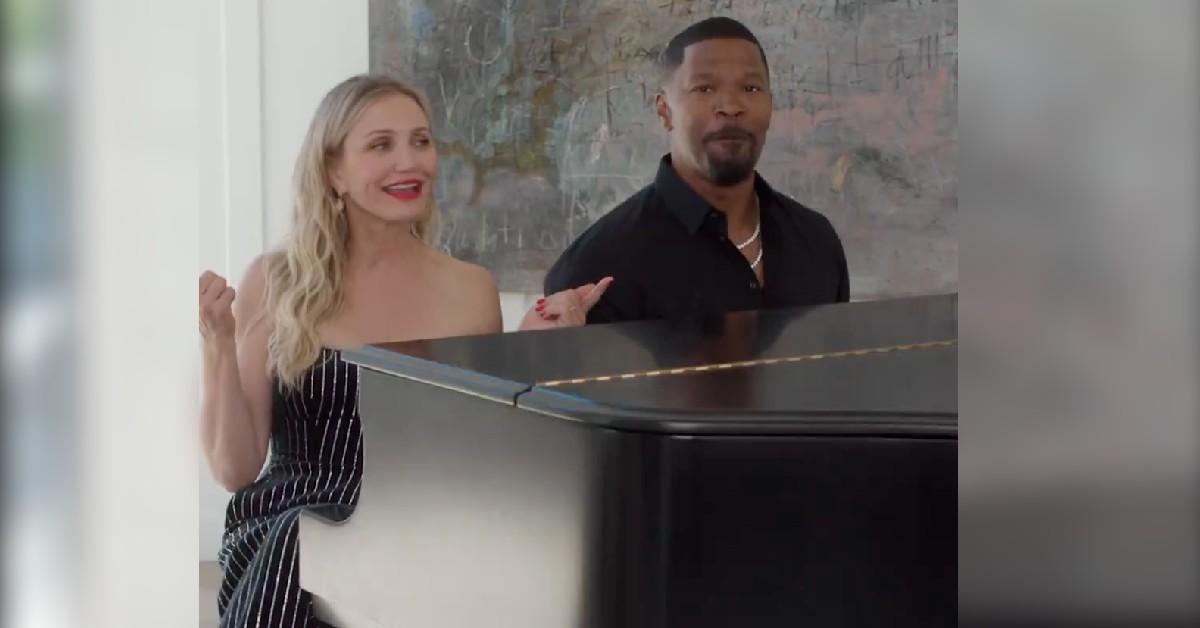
(315, 463)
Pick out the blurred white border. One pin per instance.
(135, 97)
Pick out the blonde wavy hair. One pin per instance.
(304, 283)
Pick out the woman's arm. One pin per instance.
(236, 406)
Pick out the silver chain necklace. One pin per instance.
(757, 226)
(754, 236)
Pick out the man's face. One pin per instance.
(716, 107)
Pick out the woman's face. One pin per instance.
(388, 161)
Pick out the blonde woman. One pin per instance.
(356, 269)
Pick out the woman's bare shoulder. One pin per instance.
(472, 287)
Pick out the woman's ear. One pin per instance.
(334, 180)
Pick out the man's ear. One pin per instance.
(663, 109)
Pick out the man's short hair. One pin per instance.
(704, 30)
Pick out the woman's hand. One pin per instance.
(568, 308)
(216, 308)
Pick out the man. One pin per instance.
(708, 235)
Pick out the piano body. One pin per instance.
(792, 467)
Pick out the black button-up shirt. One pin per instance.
(670, 256)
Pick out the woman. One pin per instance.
(357, 269)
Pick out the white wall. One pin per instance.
(211, 234)
(265, 66)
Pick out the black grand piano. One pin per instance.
(793, 467)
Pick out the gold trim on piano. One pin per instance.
(937, 344)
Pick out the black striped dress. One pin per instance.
(315, 464)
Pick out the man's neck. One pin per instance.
(735, 201)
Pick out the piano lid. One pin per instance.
(872, 365)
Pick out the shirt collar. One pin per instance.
(688, 206)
